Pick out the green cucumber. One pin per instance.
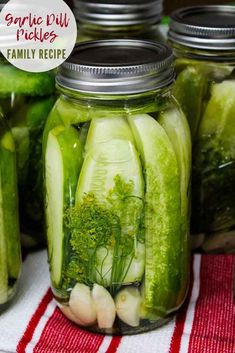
(26, 83)
(31, 200)
(214, 163)
(190, 89)
(162, 214)
(3, 253)
(26, 130)
(107, 157)
(103, 164)
(213, 71)
(175, 124)
(65, 112)
(63, 159)
(112, 167)
(22, 142)
(104, 129)
(38, 112)
(218, 122)
(10, 205)
(71, 113)
(54, 119)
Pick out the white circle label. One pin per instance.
(37, 35)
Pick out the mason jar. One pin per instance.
(26, 100)
(131, 19)
(117, 157)
(10, 254)
(203, 41)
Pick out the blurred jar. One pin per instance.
(203, 41)
(10, 254)
(118, 19)
(26, 99)
(117, 162)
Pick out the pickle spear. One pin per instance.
(112, 173)
(177, 129)
(175, 124)
(214, 163)
(162, 214)
(26, 83)
(10, 259)
(3, 255)
(10, 205)
(63, 160)
(189, 90)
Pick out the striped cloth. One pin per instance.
(206, 324)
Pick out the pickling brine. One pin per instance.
(205, 88)
(117, 172)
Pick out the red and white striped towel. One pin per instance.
(206, 324)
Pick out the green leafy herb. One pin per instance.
(113, 227)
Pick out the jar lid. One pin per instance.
(204, 27)
(116, 67)
(118, 12)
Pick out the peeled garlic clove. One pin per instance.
(105, 307)
(128, 302)
(69, 314)
(81, 304)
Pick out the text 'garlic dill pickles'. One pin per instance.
(203, 41)
(117, 165)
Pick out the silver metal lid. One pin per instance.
(204, 27)
(118, 12)
(117, 67)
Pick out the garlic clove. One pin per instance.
(105, 307)
(128, 302)
(81, 304)
(69, 314)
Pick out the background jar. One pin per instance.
(10, 254)
(203, 41)
(118, 19)
(26, 100)
(117, 158)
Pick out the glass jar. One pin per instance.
(117, 154)
(118, 19)
(26, 99)
(10, 254)
(203, 41)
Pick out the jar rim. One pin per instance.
(209, 27)
(116, 67)
(118, 12)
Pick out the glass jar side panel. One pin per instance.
(116, 191)
(206, 92)
(95, 32)
(26, 100)
(10, 257)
